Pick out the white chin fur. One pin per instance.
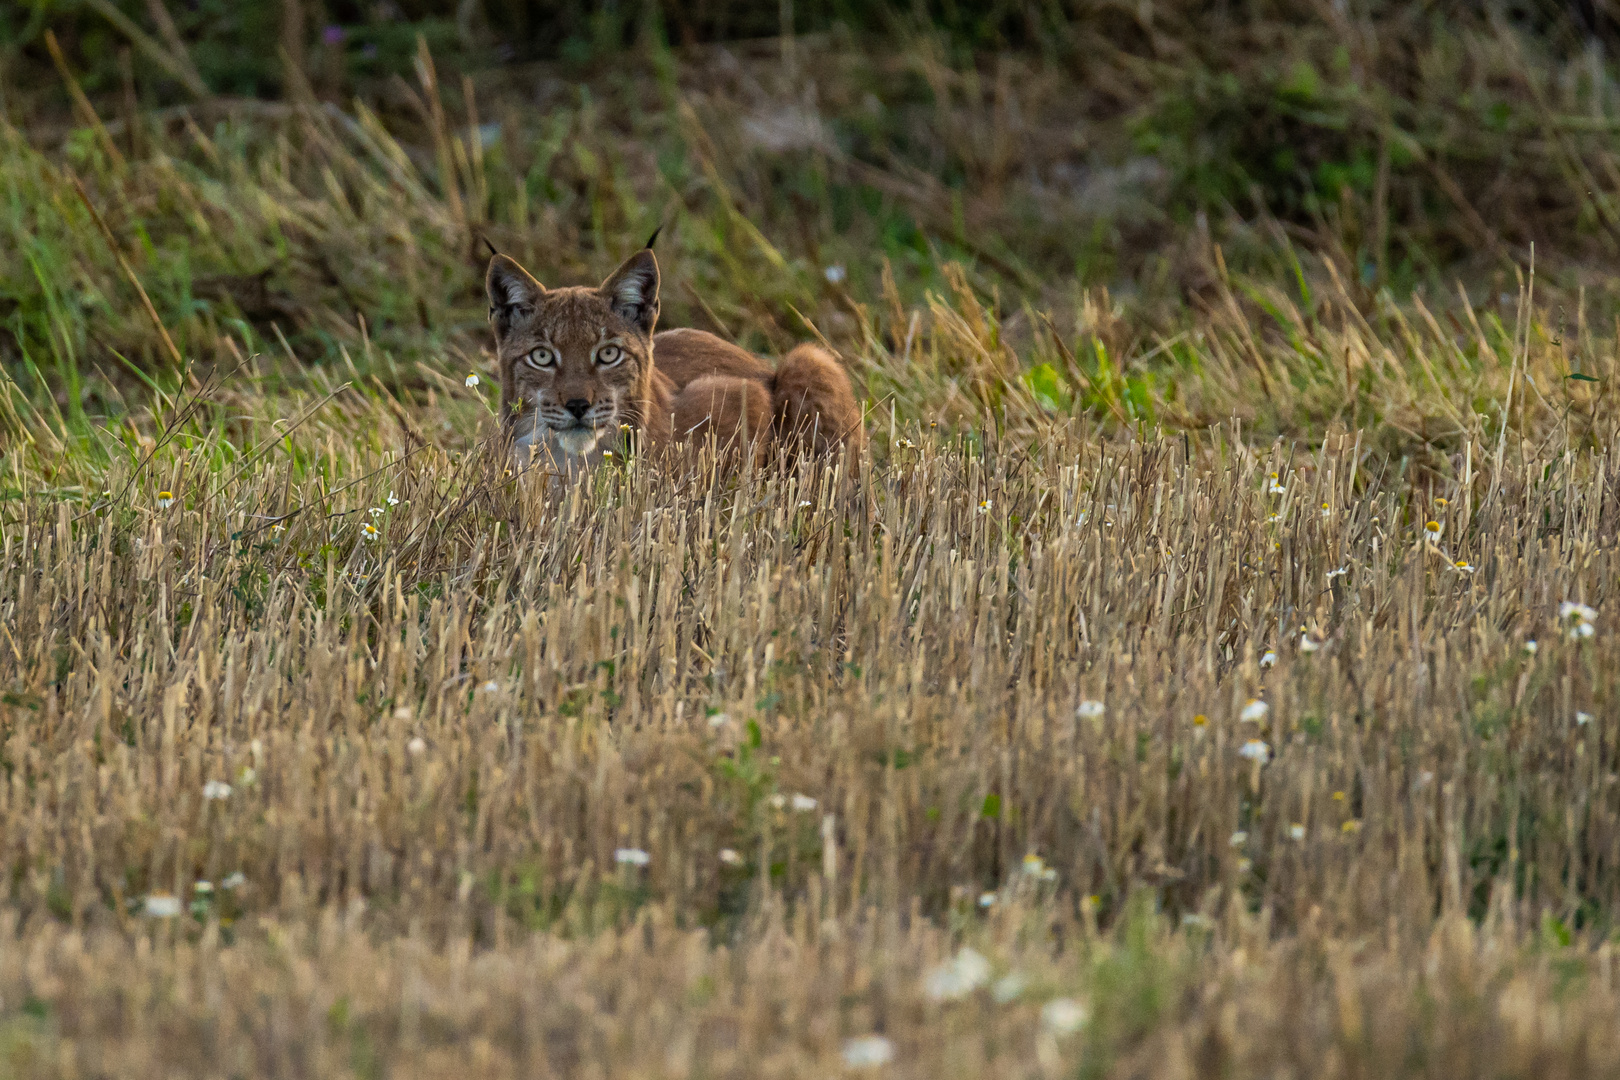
(577, 441)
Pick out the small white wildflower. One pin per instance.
(1036, 867)
(1432, 530)
(957, 977)
(1272, 519)
(630, 856)
(1327, 511)
(416, 745)
(161, 906)
(490, 687)
(778, 801)
(1530, 648)
(248, 776)
(1238, 839)
(1276, 487)
(1254, 711)
(984, 507)
(216, 789)
(1583, 718)
(834, 274)
(718, 720)
(987, 899)
(277, 531)
(368, 531)
(1296, 831)
(1581, 630)
(803, 803)
(1268, 658)
(1340, 572)
(1063, 1016)
(234, 880)
(805, 504)
(165, 500)
(1463, 566)
(1424, 779)
(1008, 988)
(1081, 520)
(1570, 610)
(206, 888)
(376, 511)
(730, 857)
(1256, 750)
(1309, 642)
(392, 500)
(1090, 710)
(868, 1052)
(472, 380)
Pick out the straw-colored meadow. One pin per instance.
(1219, 687)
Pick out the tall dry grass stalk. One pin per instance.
(854, 716)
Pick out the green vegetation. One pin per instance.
(1119, 713)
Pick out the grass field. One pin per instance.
(1207, 671)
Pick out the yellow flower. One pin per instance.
(165, 499)
(1432, 530)
(472, 380)
(1351, 826)
(368, 531)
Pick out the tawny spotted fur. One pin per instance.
(580, 364)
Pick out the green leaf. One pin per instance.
(1582, 378)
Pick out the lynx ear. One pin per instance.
(632, 290)
(511, 289)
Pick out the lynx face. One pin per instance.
(575, 363)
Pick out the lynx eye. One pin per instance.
(540, 359)
(608, 355)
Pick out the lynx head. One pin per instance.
(575, 362)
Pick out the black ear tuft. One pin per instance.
(511, 289)
(492, 251)
(654, 237)
(632, 290)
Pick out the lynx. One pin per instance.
(578, 364)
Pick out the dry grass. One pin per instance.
(652, 660)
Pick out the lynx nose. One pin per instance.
(578, 406)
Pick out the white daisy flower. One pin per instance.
(472, 380)
(490, 687)
(1268, 658)
(1340, 572)
(718, 720)
(216, 789)
(957, 977)
(161, 906)
(1296, 831)
(629, 856)
(1309, 642)
(1276, 487)
(416, 745)
(987, 899)
(234, 880)
(392, 500)
(368, 531)
(1090, 710)
(1583, 718)
(1254, 711)
(834, 274)
(984, 507)
(1256, 750)
(803, 803)
(1008, 988)
(1432, 530)
(1568, 610)
(1238, 839)
(868, 1052)
(730, 857)
(1463, 566)
(165, 500)
(1531, 648)
(1063, 1016)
